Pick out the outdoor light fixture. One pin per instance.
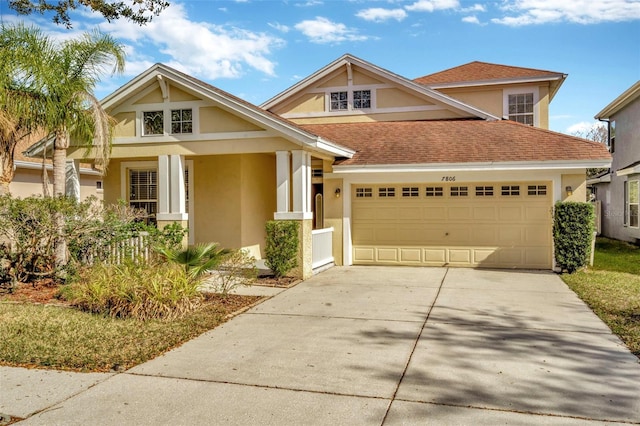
(569, 191)
(337, 192)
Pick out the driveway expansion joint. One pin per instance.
(415, 344)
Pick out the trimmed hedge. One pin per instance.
(573, 227)
(281, 251)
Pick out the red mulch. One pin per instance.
(41, 291)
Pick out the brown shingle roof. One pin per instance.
(455, 141)
(482, 71)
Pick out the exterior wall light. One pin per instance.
(337, 192)
(569, 191)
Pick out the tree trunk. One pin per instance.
(60, 146)
(60, 163)
(6, 172)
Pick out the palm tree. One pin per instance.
(72, 110)
(21, 95)
(49, 86)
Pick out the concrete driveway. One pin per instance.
(373, 346)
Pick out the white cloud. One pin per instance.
(377, 14)
(310, 3)
(531, 12)
(474, 8)
(471, 20)
(582, 128)
(197, 48)
(431, 5)
(321, 30)
(280, 27)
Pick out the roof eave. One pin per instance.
(476, 166)
(620, 102)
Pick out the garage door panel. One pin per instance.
(436, 213)
(491, 230)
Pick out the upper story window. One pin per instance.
(339, 101)
(521, 108)
(361, 99)
(153, 123)
(612, 135)
(181, 121)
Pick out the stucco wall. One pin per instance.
(28, 182)
(333, 212)
(258, 188)
(578, 184)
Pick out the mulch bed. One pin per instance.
(271, 281)
(41, 291)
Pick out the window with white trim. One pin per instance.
(434, 191)
(152, 123)
(143, 191)
(410, 191)
(364, 192)
(339, 101)
(361, 99)
(484, 191)
(181, 121)
(633, 200)
(521, 108)
(386, 192)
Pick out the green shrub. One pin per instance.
(281, 250)
(196, 260)
(159, 291)
(573, 227)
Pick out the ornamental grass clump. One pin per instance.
(135, 290)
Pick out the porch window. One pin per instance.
(633, 202)
(521, 108)
(153, 123)
(143, 192)
(181, 121)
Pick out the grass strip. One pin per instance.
(47, 336)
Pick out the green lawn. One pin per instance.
(47, 336)
(612, 289)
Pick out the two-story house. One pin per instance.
(432, 171)
(618, 190)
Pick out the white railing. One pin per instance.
(321, 247)
(133, 248)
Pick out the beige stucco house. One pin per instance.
(28, 176)
(618, 190)
(377, 168)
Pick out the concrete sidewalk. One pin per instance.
(371, 346)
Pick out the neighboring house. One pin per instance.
(618, 190)
(28, 177)
(388, 170)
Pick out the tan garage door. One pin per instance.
(503, 225)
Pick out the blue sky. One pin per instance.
(257, 48)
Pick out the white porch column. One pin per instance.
(283, 181)
(171, 191)
(301, 182)
(163, 185)
(177, 191)
(72, 179)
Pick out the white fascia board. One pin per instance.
(620, 102)
(496, 82)
(38, 166)
(629, 171)
(490, 166)
(602, 179)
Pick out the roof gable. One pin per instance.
(375, 74)
(190, 88)
(479, 73)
